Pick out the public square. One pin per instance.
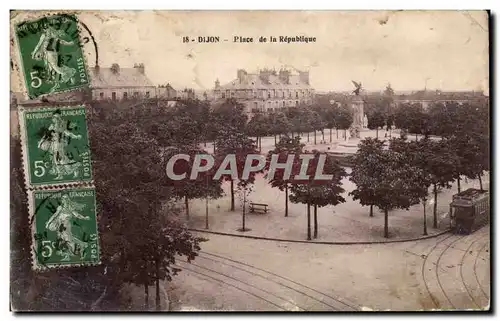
(358, 270)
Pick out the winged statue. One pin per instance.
(358, 88)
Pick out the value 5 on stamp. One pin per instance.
(55, 145)
(65, 228)
(51, 55)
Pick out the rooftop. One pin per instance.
(115, 76)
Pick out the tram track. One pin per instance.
(293, 285)
(280, 292)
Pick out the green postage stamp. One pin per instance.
(64, 228)
(55, 146)
(51, 55)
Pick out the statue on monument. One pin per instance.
(357, 105)
(358, 87)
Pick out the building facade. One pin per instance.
(116, 83)
(267, 90)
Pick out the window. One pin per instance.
(289, 94)
(101, 95)
(147, 94)
(113, 95)
(125, 95)
(268, 94)
(296, 103)
(223, 95)
(296, 94)
(136, 94)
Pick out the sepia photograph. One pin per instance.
(250, 161)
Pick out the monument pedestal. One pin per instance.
(358, 115)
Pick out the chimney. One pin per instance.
(264, 75)
(242, 75)
(304, 76)
(217, 84)
(140, 67)
(284, 76)
(115, 68)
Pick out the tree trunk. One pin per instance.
(315, 221)
(330, 135)
(186, 201)
(274, 140)
(435, 223)
(345, 133)
(386, 223)
(377, 132)
(232, 195)
(337, 132)
(158, 306)
(323, 134)
(206, 213)
(146, 296)
(425, 217)
(480, 182)
(286, 200)
(308, 222)
(214, 147)
(243, 228)
(371, 210)
(458, 183)
(315, 137)
(205, 143)
(308, 136)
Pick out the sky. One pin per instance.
(445, 50)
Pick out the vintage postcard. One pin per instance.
(250, 161)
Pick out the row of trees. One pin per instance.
(400, 176)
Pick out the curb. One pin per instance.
(321, 242)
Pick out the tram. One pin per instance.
(469, 211)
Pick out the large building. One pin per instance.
(117, 83)
(268, 90)
(428, 97)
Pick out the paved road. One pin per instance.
(448, 272)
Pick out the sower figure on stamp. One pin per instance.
(60, 222)
(55, 142)
(47, 50)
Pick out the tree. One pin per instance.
(286, 146)
(318, 193)
(398, 183)
(344, 118)
(203, 186)
(329, 117)
(230, 113)
(376, 120)
(440, 167)
(135, 231)
(279, 125)
(231, 141)
(258, 126)
(365, 165)
(317, 124)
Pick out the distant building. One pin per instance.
(268, 90)
(116, 83)
(187, 93)
(427, 97)
(166, 92)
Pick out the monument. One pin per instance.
(358, 112)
